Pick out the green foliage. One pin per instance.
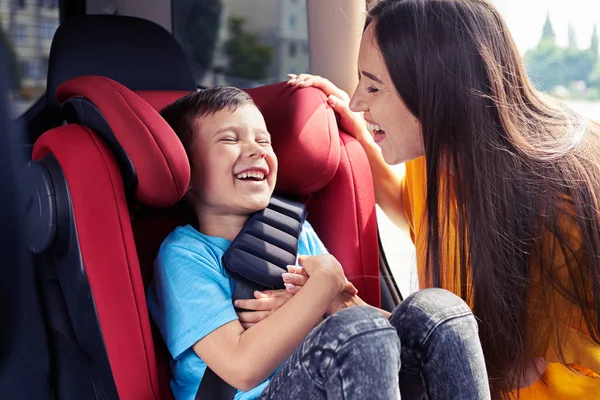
(594, 48)
(248, 57)
(593, 94)
(548, 31)
(550, 65)
(594, 80)
(579, 63)
(545, 65)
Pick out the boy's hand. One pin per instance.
(268, 301)
(261, 306)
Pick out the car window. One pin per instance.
(27, 29)
(243, 43)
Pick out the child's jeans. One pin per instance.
(356, 354)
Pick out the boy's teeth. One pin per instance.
(252, 174)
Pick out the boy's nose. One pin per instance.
(256, 150)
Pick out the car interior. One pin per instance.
(103, 184)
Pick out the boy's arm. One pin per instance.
(245, 358)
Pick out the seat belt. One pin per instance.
(265, 246)
(255, 260)
(212, 387)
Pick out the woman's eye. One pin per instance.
(372, 89)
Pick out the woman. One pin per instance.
(502, 185)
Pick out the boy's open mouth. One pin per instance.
(251, 175)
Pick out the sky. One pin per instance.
(525, 19)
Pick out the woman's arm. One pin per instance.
(386, 181)
(387, 184)
(245, 358)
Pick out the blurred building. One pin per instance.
(28, 27)
(281, 24)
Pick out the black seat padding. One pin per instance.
(135, 52)
(24, 353)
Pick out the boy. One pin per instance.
(234, 171)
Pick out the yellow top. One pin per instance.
(547, 309)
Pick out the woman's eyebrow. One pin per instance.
(371, 77)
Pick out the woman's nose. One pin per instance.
(357, 104)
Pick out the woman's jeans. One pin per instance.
(429, 348)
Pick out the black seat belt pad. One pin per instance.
(265, 246)
(256, 259)
(212, 387)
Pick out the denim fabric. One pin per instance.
(441, 352)
(354, 354)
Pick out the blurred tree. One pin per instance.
(548, 31)
(572, 38)
(545, 67)
(594, 48)
(196, 26)
(549, 65)
(594, 79)
(248, 58)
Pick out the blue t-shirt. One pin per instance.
(191, 296)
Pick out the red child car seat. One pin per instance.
(105, 191)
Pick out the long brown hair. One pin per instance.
(524, 174)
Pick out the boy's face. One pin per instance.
(234, 168)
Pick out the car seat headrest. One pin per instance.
(135, 52)
(141, 139)
(305, 136)
(303, 129)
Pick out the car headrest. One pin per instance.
(303, 129)
(135, 52)
(156, 166)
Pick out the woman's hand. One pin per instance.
(327, 267)
(346, 298)
(298, 277)
(351, 122)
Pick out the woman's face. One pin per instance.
(395, 129)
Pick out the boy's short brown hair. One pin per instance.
(182, 114)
